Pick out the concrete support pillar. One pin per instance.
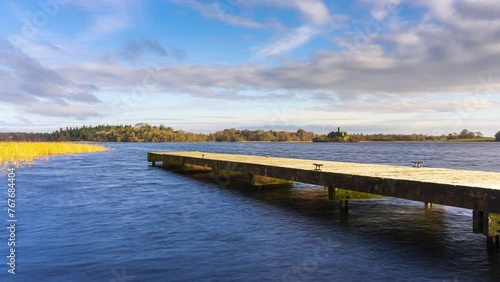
(344, 206)
(489, 225)
(477, 222)
(493, 243)
(331, 192)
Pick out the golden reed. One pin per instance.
(24, 153)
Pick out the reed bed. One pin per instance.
(24, 153)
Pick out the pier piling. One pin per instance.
(344, 206)
(493, 243)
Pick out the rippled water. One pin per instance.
(112, 217)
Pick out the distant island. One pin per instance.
(143, 132)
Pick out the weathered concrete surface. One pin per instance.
(477, 190)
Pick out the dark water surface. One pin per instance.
(112, 217)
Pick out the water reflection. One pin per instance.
(389, 226)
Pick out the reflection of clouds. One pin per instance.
(121, 275)
(314, 257)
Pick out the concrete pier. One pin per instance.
(475, 190)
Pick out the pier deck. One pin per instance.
(476, 190)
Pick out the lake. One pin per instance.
(113, 217)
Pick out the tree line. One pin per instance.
(147, 133)
(464, 134)
(143, 132)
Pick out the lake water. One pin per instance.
(112, 217)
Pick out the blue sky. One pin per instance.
(370, 66)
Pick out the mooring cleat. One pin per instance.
(417, 164)
(318, 166)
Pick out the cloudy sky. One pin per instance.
(369, 66)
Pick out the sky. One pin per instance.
(368, 66)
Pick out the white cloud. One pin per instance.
(381, 9)
(105, 25)
(316, 19)
(52, 110)
(291, 40)
(316, 12)
(219, 10)
(107, 17)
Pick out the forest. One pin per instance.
(143, 132)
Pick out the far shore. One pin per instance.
(478, 140)
(470, 140)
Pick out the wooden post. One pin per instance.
(428, 205)
(154, 163)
